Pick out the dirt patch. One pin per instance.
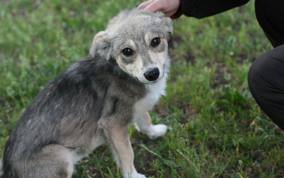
(241, 58)
(162, 109)
(219, 79)
(190, 58)
(188, 113)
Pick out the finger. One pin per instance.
(144, 4)
(153, 7)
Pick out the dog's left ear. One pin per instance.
(101, 45)
(167, 23)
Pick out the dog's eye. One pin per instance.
(155, 42)
(127, 52)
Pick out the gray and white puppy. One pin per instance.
(94, 101)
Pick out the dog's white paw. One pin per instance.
(157, 131)
(135, 175)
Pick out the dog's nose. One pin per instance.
(152, 74)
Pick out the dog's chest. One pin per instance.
(153, 93)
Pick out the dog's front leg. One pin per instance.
(118, 138)
(144, 123)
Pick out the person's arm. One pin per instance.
(193, 8)
(205, 8)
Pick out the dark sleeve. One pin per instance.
(205, 8)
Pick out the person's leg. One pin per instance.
(266, 83)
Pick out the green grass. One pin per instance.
(217, 128)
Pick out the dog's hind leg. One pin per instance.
(53, 161)
(145, 126)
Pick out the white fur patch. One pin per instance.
(153, 93)
(156, 131)
(134, 174)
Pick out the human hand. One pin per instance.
(168, 7)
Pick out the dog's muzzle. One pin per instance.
(152, 74)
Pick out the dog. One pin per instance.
(95, 100)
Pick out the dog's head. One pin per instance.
(138, 42)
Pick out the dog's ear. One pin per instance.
(101, 45)
(166, 21)
(168, 24)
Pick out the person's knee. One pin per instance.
(266, 83)
(266, 73)
(255, 76)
